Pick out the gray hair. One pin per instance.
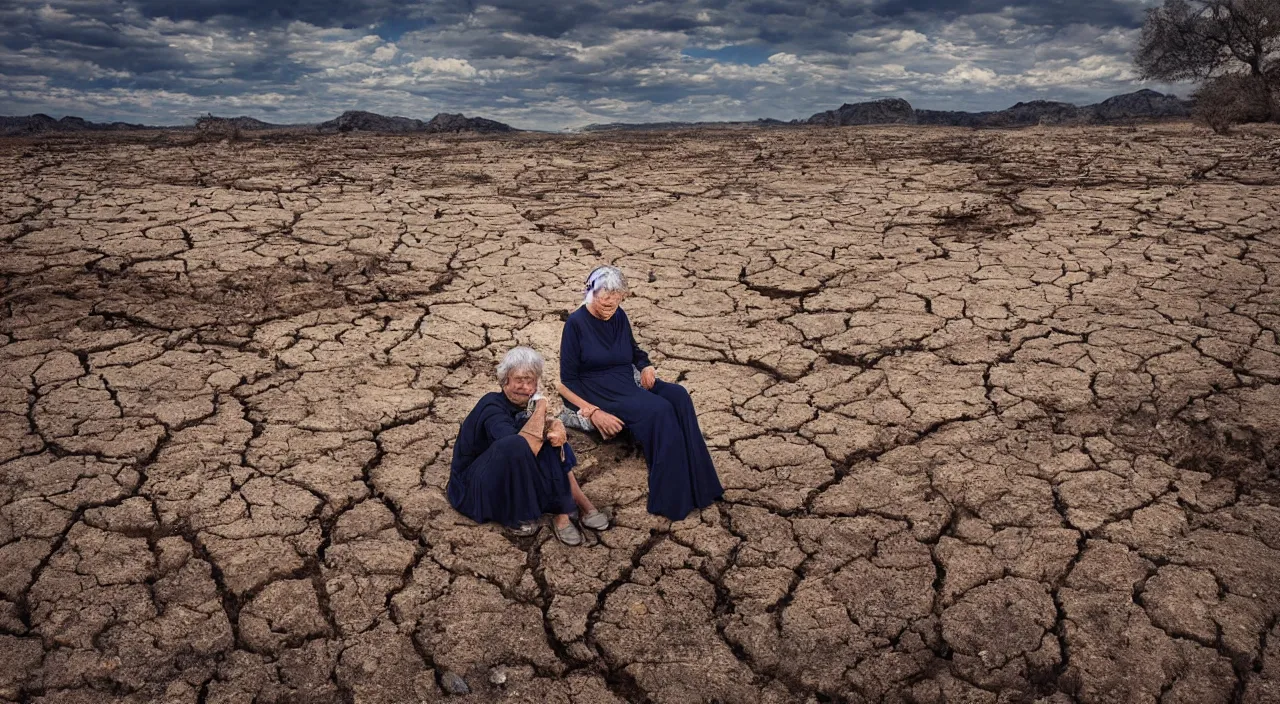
(603, 279)
(519, 359)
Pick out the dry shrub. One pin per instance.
(1233, 99)
(210, 128)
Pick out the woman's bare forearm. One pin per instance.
(583, 405)
(534, 427)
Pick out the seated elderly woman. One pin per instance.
(511, 463)
(598, 360)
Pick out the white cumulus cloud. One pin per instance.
(449, 67)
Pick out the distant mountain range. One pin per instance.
(1140, 105)
(39, 123)
(209, 123)
(350, 121)
(655, 126)
(355, 121)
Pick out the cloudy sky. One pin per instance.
(546, 64)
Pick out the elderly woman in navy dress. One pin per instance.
(598, 361)
(511, 462)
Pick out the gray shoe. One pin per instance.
(526, 529)
(596, 520)
(569, 534)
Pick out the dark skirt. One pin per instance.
(682, 477)
(509, 485)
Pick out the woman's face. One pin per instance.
(520, 387)
(605, 304)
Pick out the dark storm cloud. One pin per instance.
(542, 63)
(84, 39)
(547, 19)
(325, 13)
(541, 18)
(1054, 13)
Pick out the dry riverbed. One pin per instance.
(997, 414)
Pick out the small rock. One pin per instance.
(453, 683)
(112, 265)
(498, 676)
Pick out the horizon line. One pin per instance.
(195, 119)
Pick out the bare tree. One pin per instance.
(1198, 39)
(1205, 39)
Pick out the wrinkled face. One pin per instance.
(520, 386)
(605, 304)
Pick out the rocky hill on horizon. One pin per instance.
(211, 123)
(1144, 104)
(350, 121)
(40, 123)
(678, 125)
(361, 121)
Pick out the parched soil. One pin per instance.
(997, 414)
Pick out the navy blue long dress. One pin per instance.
(495, 475)
(597, 358)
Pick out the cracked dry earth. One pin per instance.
(997, 414)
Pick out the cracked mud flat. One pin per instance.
(997, 414)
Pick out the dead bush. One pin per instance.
(1230, 100)
(210, 128)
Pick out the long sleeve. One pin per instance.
(639, 358)
(485, 424)
(570, 357)
(498, 425)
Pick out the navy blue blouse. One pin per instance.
(493, 418)
(594, 349)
